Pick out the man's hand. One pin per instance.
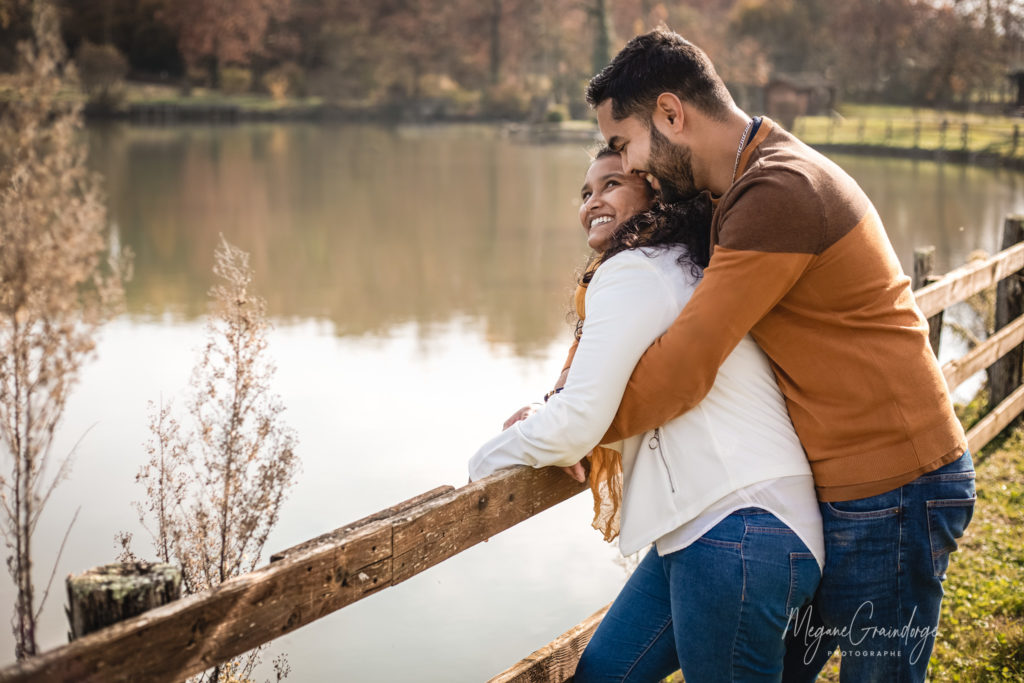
(521, 414)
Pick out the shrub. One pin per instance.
(557, 113)
(235, 80)
(286, 80)
(506, 101)
(101, 69)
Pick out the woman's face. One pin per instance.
(608, 198)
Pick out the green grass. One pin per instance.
(140, 93)
(906, 127)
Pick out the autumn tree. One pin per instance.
(55, 291)
(214, 34)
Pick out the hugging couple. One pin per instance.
(753, 388)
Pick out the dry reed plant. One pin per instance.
(56, 288)
(215, 482)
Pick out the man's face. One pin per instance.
(672, 165)
(644, 149)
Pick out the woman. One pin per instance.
(724, 491)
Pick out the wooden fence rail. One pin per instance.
(315, 578)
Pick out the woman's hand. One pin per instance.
(521, 414)
(576, 472)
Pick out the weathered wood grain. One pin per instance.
(190, 635)
(114, 592)
(449, 524)
(393, 511)
(993, 423)
(924, 265)
(980, 357)
(1005, 374)
(556, 661)
(961, 283)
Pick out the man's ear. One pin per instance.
(668, 111)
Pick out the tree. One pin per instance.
(54, 292)
(224, 32)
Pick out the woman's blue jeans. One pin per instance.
(716, 609)
(885, 560)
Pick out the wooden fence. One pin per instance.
(960, 140)
(315, 578)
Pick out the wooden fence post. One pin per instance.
(114, 592)
(964, 135)
(924, 265)
(888, 130)
(917, 134)
(942, 133)
(1016, 140)
(1005, 374)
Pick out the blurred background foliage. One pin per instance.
(520, 59)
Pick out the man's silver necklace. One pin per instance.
(739, 150)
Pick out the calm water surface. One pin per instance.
(419, 281)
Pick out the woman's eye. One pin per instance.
(585, 196)
(611, 183)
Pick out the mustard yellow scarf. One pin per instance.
(605, 467)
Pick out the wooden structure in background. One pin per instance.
(315, 578)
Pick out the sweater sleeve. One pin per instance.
(628, 304)
(740, 285)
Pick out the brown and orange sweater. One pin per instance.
(801, 261)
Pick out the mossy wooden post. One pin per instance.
(114, 592)
(1005, 374)
(924, 265)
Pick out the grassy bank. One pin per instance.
(923, 129)
(154, 95)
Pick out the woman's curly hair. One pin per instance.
(686, 223)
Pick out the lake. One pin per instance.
(418, 279)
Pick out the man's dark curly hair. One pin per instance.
(653, 63)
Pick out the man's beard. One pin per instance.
(672, 166)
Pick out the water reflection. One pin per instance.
(371, 227)
(365, 226)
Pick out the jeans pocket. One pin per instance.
(804, 575)
(861, 509)
(947, 520)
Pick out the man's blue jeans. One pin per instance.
(885, 560)
(717, 609)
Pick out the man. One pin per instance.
(800, 260)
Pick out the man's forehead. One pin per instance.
(606, 120)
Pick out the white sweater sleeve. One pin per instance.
(628, 305)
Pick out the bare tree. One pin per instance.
(215, 485)
(54, 292)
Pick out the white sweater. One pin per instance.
(739, 435)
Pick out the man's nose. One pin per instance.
(626, 165)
